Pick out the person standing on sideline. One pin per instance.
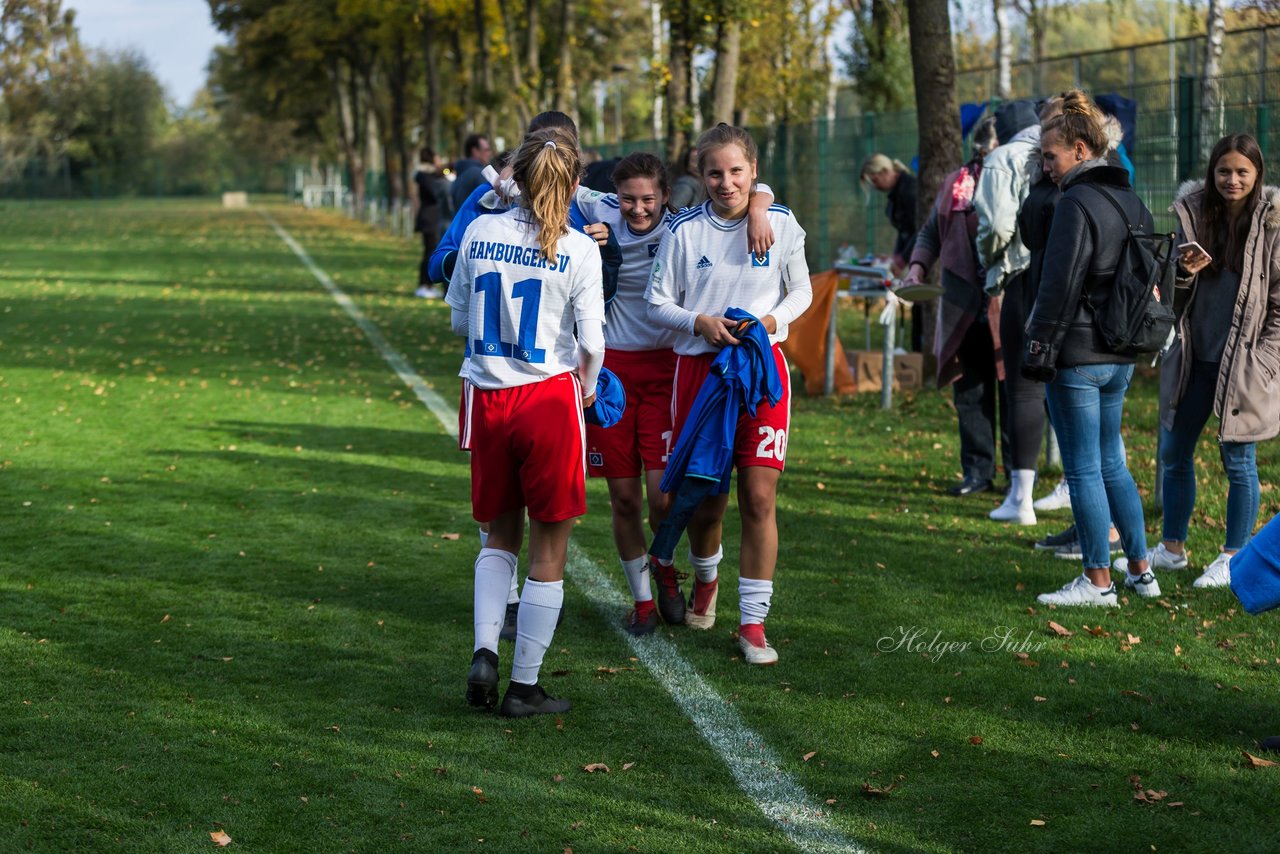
(967, 345)
(1226, 358)
(1086, 381)
(431, 196)
(632, 454)
(893, 179)
(1008, 174)
(687, 191)
(523, 283)
(476, 154)
(702, 269)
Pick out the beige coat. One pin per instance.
(1247, 399)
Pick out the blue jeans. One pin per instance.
(1086, 404)
(1178, 451)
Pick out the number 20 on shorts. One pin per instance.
(773, 445)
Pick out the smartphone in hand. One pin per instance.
(1197, 251)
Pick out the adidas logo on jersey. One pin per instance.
(704, 263)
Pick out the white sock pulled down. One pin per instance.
(637, 572)
(535, 627)
(1017, 506)
(494, 571)
(754, 597)
(706, 569)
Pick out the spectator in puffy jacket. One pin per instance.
(1086, 381)
(1226, 358)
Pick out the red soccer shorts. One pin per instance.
(527, 450)
(760, 440)
(643, 438)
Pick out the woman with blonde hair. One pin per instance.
(1086, 380)
(891, 177)
(524, 281)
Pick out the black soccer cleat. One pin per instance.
(525, 701)
(670, 597)
(508, 632)
(641, 620)
(482, 680)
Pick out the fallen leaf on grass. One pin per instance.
(557, 778)
(810, 755)
(479, 793)
(166, 618)
(871, 791)
(627, 766)
(1257, 761)
(450, 536)
(1133, 639)
(1177, 650)
(1039, 699)
(1060, 630)
(219, 838)
(1036, 822)
(596, 766)
(935, 754)
(975, 739)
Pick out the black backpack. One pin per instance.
(1136, 315)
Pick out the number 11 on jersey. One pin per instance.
(529, 292)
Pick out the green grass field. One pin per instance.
(232, 599)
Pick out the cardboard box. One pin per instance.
(867, 368)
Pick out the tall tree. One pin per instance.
(728, 47)
(879, 59)
(681, 35)
(1004, 50)
(1210, 92)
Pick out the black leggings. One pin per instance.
(429, 242)
(1026, 398)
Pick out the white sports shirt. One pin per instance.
(629, 327)
(521, 309)
(704, 266)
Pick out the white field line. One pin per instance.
(754, 764)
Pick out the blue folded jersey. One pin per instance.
(611, 401)
(740, 378)
(1255, 570)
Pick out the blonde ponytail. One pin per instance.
(546, 167)
(1079, 121)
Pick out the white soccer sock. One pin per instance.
(494, 569)
(754, 597)
(513, 594)
(539, 610)
(1020, 490)
(706, 568)
(637, 572)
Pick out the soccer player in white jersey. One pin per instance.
(700, 271)
(640, 354)
(522, 283)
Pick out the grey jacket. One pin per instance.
(1007, 176)
(1247, 399)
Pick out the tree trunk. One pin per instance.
(1036, 25)
(933, 66)
(1004, 51)
(725, 85)
(1210, 93)
(564, 81)
(431, 107)
(532, 58)
(466, 100)
(655, 65)
(679, 65)
(519, 91)
(484, 73)
(350, 130)
(398, 84)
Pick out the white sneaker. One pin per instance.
(1056, 500)
(1216, 574)
(1011, 511)
(1158, 557)
(1144, 585)
(1081, 591)
(428, 292)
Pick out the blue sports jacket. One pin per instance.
(740, 377)
(440, 266)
